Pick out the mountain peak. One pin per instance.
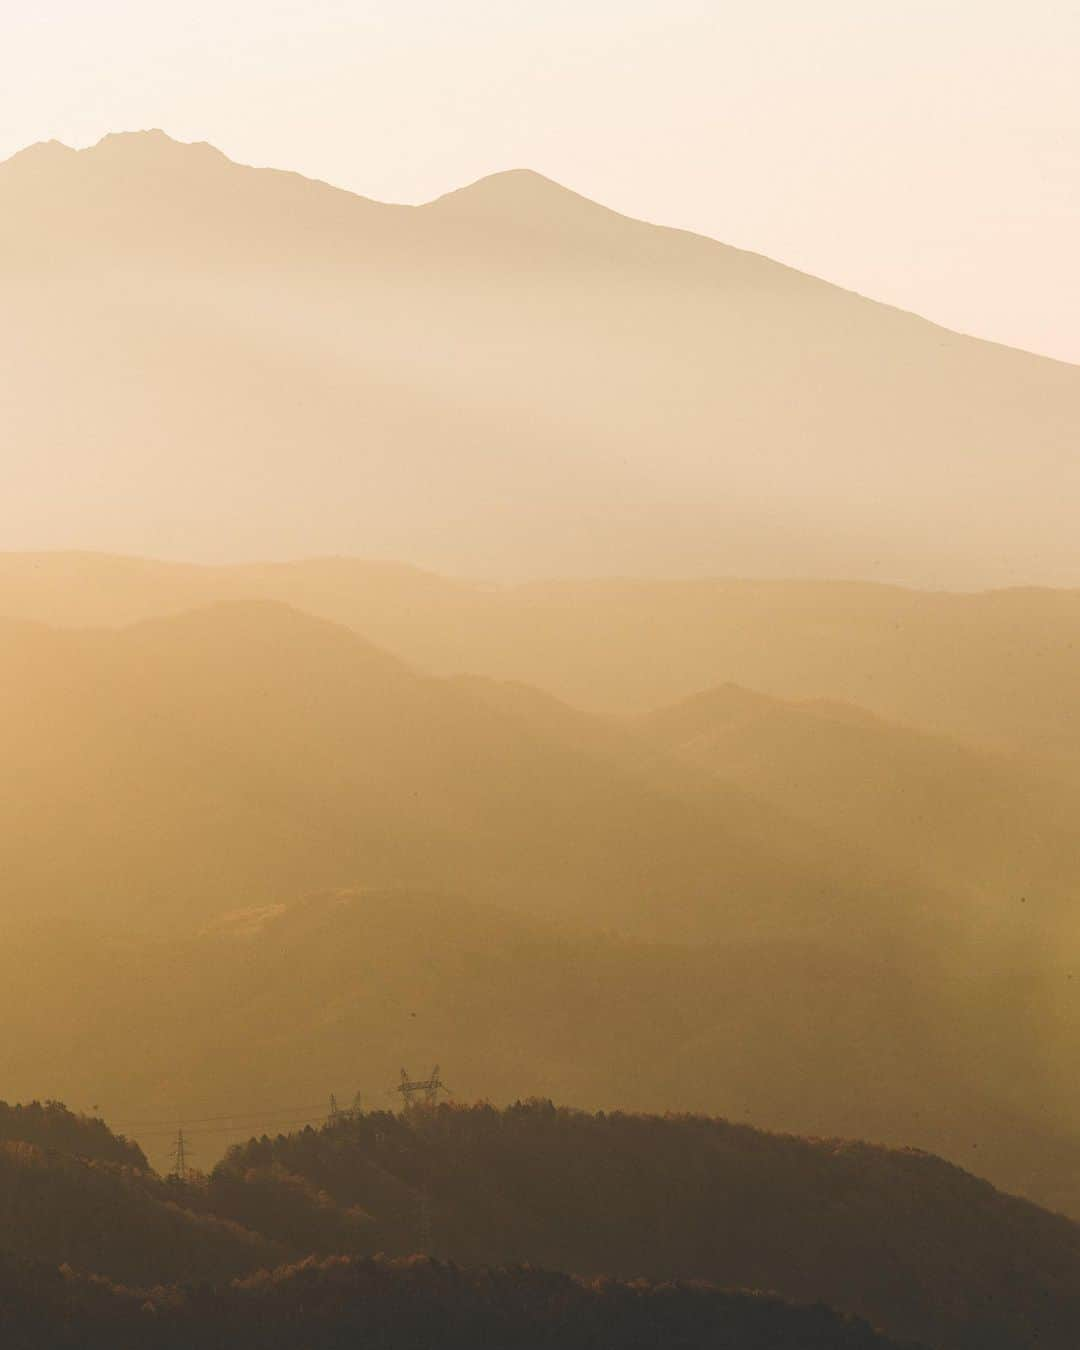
(129, 152)
(519, 194)
(154, 143)
(41, 155)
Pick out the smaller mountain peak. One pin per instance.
(42, 154)
(518, 180)
(515, 193)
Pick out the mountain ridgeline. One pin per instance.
(246, 753)
(510, 381)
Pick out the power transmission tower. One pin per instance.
(426, 1090)
(180, 1163)
(338, 1113)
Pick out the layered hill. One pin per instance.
(656, 1215)
(207, 360)
(918, 1248)
(250, 1026)
(999, 668)
(937, 734)
(71, 1193)
(982, 821)
(247, 753)
(405, 1305)
(883, 916)
(51, 1127)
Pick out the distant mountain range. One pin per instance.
(845, 923)
(998, 668)
(246, 753)
(209, 361)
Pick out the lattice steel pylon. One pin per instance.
(180, 1163)
(415, 1091)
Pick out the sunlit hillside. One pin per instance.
(251, 1026)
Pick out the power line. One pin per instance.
(181, 1126)
(208, 1129)
(204, 1120)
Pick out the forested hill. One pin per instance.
(914, 1245)
(893, 1239)
(406, 1305)
(51, 1126)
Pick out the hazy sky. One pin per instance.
(925, 152)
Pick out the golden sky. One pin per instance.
(925, 153)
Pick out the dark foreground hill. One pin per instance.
(150, 1263)
(914, 1245)
(636, 1206)
(73, 1193)
(343, 1303)
(50, 1126)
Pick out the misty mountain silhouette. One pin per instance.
(245, 753)
(509, 381)
(997, 669)
(975, 819)
(796, 1033)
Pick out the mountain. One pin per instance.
(246, 753)
(406, 1305)
(977, 819)
(847, 926)
(1000, 668)
(664, 1220)
(966, 1050)
(54, 1129)
(207, 360)
(916, 1247)
(93, 1203)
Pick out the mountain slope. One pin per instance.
(250, 1025)
(406, 1305)
(252, 364)
(917, 1247)
(1000, 668)
(124, 1224)
(247, 753)
(990, 823)
(54, 1129)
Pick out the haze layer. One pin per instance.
(208, 361)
